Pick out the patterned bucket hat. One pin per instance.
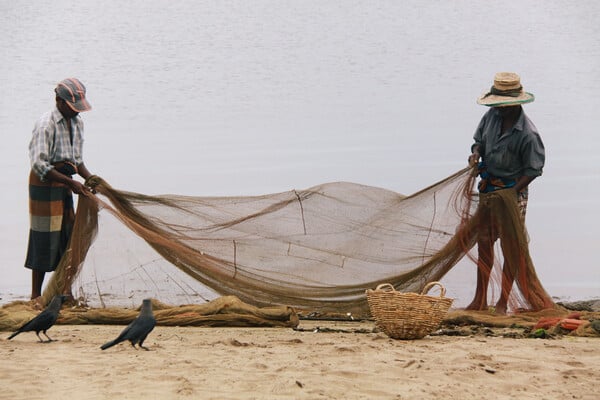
(72, 91)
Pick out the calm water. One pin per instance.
(251, 97)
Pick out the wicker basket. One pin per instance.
(407, 315)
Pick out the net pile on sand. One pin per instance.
(316, 249)
(223, 311)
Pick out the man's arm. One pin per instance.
(522, 182)
(83, 171)
(76, 186)
(474, 157)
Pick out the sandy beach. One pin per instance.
(317, 360)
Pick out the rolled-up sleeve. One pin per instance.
(533, 156)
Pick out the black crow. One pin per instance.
(137, 331)
(44, 320)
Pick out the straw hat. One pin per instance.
(507, 91)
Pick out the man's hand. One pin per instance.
(473, 159)
(78, 187)
(523, 182)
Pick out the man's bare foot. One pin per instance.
(500, 308)
(477, 305)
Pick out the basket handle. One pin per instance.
(385, 286)
(432, 284)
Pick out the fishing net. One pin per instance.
(314, 249)
(223, 311)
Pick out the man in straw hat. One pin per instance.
(509, 154)
(55, 153)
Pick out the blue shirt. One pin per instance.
(51, 142)
(518, 152)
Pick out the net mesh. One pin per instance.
(317, 249)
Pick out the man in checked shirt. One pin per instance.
(55, 153)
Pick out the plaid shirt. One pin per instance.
(51, 142)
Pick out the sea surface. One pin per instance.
(252, 97)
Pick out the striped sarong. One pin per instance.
(52, 216)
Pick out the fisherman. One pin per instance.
(509, 154)
(55, 153)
